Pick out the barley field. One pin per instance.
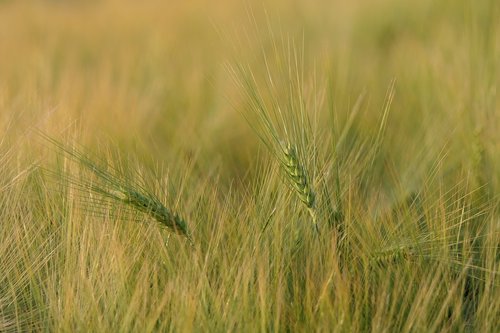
(225, 166)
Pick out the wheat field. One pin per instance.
(278, 166)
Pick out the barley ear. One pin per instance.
(395, 254)
(298, 180)
(155, 209)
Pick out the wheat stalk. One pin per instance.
(273, 121)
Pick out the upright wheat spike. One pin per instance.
(297, 177)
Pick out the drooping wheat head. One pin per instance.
(107, 184)
(154, 208)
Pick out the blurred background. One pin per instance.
(152, 73)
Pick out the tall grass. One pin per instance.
(375, 121)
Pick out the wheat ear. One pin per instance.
(154, 208)
(393, 254)
(110, 185)
(298, 180)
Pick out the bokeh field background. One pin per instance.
(401, 145)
